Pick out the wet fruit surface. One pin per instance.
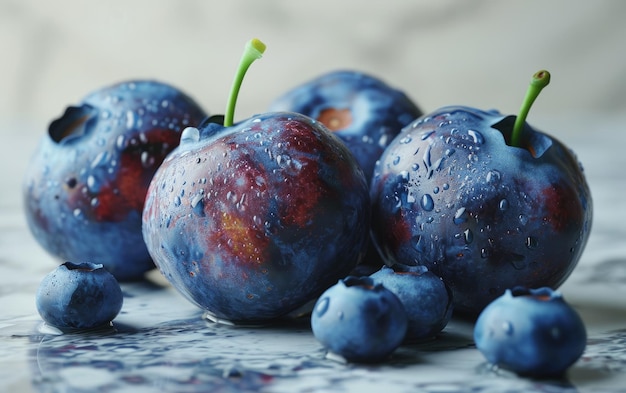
(85, 187)
(533, 332)
(362, 110)
(252, 221)
(451, 194)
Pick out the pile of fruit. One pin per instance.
(343, 177)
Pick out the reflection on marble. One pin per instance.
(160, 342)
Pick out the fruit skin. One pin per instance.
(362, 110)
(450, 194)
(253, 221)
(359, 320)
(79, 296)
(85, 186)
(426, 298)
(532, 332)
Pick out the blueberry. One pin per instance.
(359, 320)
(426, 298)
(85, 187)
(79, 296)
(362, 110)
(532, 332)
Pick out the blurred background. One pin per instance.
(479, 53)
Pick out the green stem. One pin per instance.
(254, 50)
(537, 83)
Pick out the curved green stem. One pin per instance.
(540, 80)
(254, 50)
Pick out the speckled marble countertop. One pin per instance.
(160, 342)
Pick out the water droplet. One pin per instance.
(504, 205)
(426, 134)
(147, 160)
(493, 176)
(130, 119)
(396, 160)
(522, 219)
(77, 213)
(190, 135)
(427, 202)
(477, 137)
(460, 216)
(93, 184)
(406, 139)
(419, 244)
(468, 236)
(415, 167)
(322, 306)
(484, 253)
(177, 201)
(531, 242)
(436, 190)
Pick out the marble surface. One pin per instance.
(478, 53)
(160, 342)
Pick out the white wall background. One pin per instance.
(478, 53)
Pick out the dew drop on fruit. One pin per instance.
(460, 216)
(468, 235)
(322, 307)
(427, 202)
(177, 201)
(522, 219)
(130, 119)
(93, 184)
(477, 137)
(531, 242)
(190, 135)
(493, 176)
(396, 160)
(406, 139)
(503, 205)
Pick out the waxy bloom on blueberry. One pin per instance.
(359, 320)
(427, 300)
(532, 332)
(79, 296)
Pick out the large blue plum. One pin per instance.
(362, 110)
(450, 193)
(252, 221)
(85, 187)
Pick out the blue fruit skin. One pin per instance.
(253, 221)
(360, 320)
(378, 111)
(451, 195)
(531, 332)
(426, 298)
(85, 186)
(79, 296)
